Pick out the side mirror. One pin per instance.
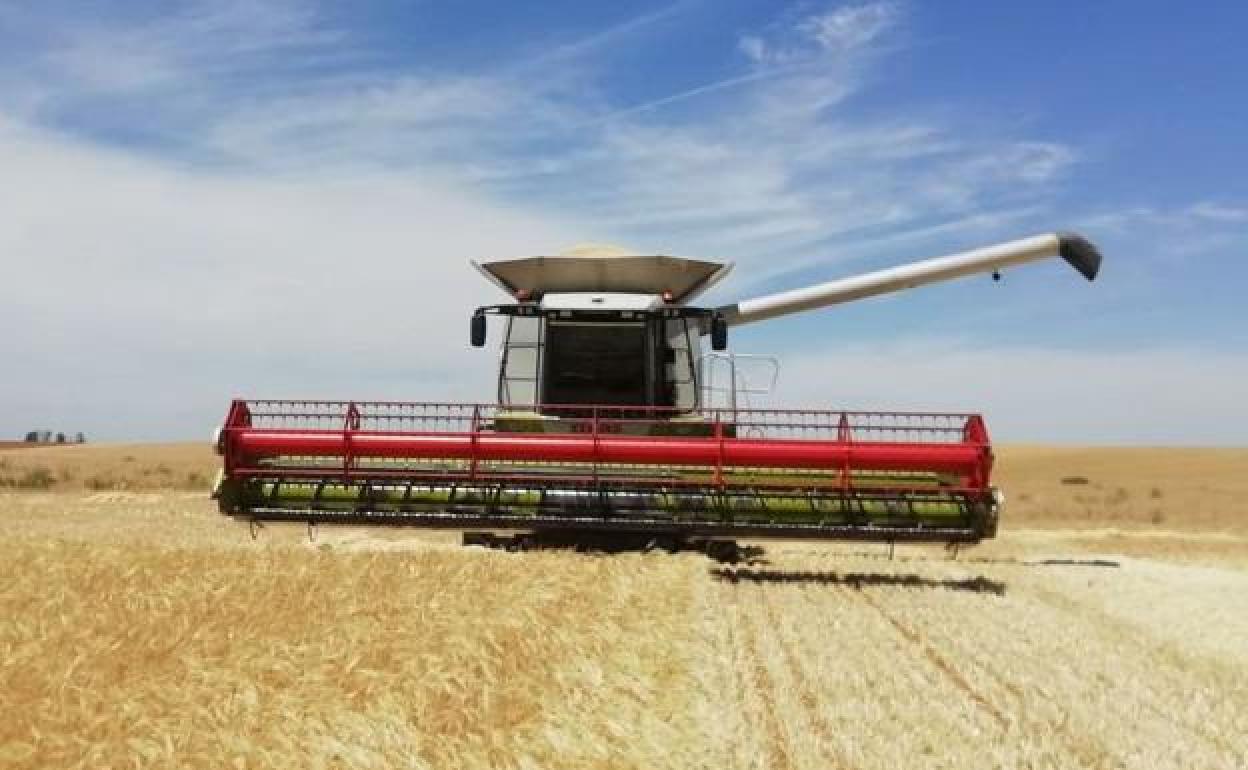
(719, 333)
(478, 330)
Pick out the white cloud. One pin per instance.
(1219, 212)
(1195, 216)
(754, 48)
(144, 296)
(405, 121)
(616, 34)
(189, 46)
(850, 27)
(1162, 236)
(834, 33)
(1024, 162)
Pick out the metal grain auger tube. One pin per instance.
(608, 419)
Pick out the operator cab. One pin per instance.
(601, 330)
(599, 357)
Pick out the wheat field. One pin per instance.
(1106, 627)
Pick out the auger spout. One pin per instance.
(1075, 249)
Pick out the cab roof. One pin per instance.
(624, 274)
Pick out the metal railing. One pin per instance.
(739, 385)
(422, 417)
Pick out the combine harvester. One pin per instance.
(612, 423)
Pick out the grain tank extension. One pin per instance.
(609, 418)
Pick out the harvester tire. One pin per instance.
(723, 551)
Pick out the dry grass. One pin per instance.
(139, 627)
(109, 466)
(297, 657)
(1192, 489)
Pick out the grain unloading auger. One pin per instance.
(605, 422)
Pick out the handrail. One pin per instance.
(706, 374)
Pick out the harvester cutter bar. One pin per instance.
(452, 520)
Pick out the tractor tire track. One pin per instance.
(850, 681)
(1014, 718)
(813, 715)
(1006, 714)
(939, 662)
(723, 680)
(1096, 658)
(1174, 673)
(775, 746)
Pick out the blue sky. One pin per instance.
(280, 197)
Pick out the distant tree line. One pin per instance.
(48, 437)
